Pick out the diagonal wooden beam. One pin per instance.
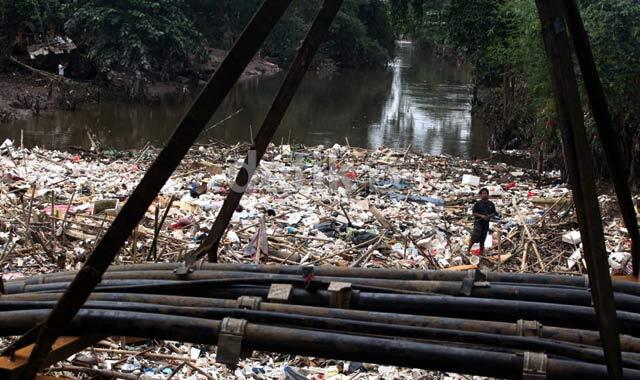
(65, 346)
(608, 135)
(159, 172)
(580, 169)
(270, 125)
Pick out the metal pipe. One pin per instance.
(391, 274)
(487, 309)
(405, 353)
(563, 334)
(585, 337)
(609, 136)
(569, 296)
(567, 350)
(580, 281)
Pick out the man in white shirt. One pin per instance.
(61, 68)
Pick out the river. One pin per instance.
(420, 101)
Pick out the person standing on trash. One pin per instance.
(483, 211)
(61, 68)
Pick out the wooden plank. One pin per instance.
(462, 268)
(159, 172)
(579, 165)
(65, 346)
(626, 278)
(607, 133)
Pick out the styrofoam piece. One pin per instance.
(495, 190)
(574, 258)
(572, 237)
(471, 180)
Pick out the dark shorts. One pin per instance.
(480, 231)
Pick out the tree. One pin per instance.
(502, 39)
(164, 36)
(31, 16)
(134, 35)
(360, 36)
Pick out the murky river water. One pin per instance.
(419, 100)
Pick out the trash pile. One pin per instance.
(179, 361)
(338, 205)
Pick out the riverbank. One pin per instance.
(420, 101)
(25, 94)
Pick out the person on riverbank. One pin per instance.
(61, 68)
(483, 211)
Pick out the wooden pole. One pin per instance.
(580, 169)
(608, 135)
(270, 125)
(159, 172)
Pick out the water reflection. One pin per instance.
(428, 107)
(419, 100)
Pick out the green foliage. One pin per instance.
(502, 39)
(421, 20)
(372, 44)
(474, 28)
(282, 43)
(134, 35)
(361, 34)
(165, 36)
(350, 42)
(220, 21)
(30, 15)
(374, 14)
(614, 31)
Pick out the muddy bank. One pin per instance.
(24, 94)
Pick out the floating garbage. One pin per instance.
(315, 201)
(336, 205)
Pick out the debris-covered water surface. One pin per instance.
(319, 205)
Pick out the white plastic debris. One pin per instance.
(194, 353)
(619, 260)
(574, 258)
(471, 180)
(572, 237)
(6, 146)
(233, 236)
(495, 191)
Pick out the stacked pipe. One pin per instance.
(501, 325)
